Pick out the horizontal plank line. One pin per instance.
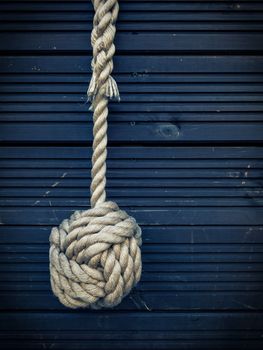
(136, 64)
(136, 5)
(223, 152)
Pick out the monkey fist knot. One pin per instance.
(95, 257)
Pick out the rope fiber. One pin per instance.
(95, 256)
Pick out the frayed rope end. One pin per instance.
(110, 90)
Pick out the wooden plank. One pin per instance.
(15, 248)
(153, 216)
(26, 281)
(136, 5)
(144, 301)
(82, 106)
(84, 164)
(135, 98)
(241, 116)
(140, 321)
(35, 286)
(127, 79)
(157, 344)
(133, 16)
(38, 285)
(23, 25)
(132, 173)
(166, 131)
(28, 91)
(176, 267)
(138, 345)
(151, 267)
(115, 335)
(64, 182)
(249, 193)
(132, 42)
(159, 261)
(84, 336)
(226, 235)
(135, 64)
(135, 202)
(137, 152)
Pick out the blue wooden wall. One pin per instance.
(185, 158)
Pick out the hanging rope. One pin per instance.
(95, 257)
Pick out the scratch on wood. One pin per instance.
(134, 301)
(48, 192)
(55, 215)
(143, 303)
(247, 306)
(146, 306)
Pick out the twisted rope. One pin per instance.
(102, 87)
(95, 256)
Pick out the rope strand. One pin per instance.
(99, 156)
(102, 87)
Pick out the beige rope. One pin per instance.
(95, 256)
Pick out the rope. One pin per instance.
(95, 257)
(102, 87)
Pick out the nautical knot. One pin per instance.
(95, 257)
